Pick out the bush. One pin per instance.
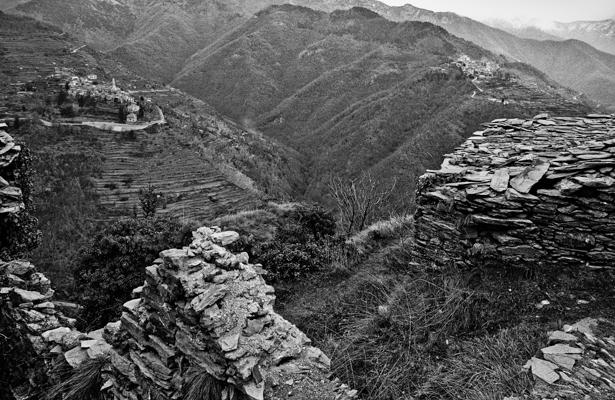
(114, 262)
(149, 199)
(69, 111)
(302, 245)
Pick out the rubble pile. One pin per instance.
(206, 311)
(537, 192)
(11, 200)
(579, 362)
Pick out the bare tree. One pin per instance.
(358, 200)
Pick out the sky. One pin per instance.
(527, 10)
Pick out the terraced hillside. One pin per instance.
(190, 187)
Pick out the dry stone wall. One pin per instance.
(11, 199)
(537, 193)
(204, 316)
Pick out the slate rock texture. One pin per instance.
(578, 364)
(537, 193)
(11, 198)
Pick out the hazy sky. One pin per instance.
(543, 10)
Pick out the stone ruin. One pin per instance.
(203, 311)
(538, 193)
(11, 199)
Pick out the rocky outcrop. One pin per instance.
(204, 317)
(11, 199)
(538, 193)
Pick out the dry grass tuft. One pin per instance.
(200, 385)
(486, 368)
(82, 383)
(394, 227)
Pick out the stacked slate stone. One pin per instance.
(11, 200)
(27, 298)
(537, 192)
(578, 363)
(205, 313)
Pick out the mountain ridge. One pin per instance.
(352, 82)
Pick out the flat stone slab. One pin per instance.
(543, 369)
(561, 349)
(76, 357)
(559, 336)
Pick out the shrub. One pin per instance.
(114, 262)
(69, 111)
(149, 199)
(302, 245)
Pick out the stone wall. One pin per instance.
(203, 315)
(11, 200)
(538, 193)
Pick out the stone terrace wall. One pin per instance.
(202, 312)
(537, 193)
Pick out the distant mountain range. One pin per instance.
(599, 34)
(157, 37)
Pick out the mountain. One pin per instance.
(356, 92)
(157, 37)
(599, 34)
(152, 37)
(572, 64)
(201, 163)
(522, 29)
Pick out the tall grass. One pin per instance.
(404, 338)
